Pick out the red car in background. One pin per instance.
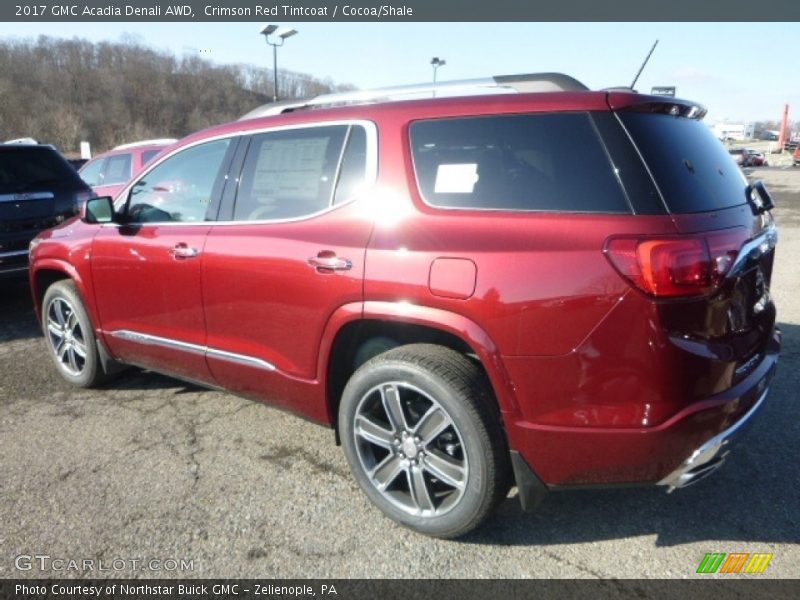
(107, 173)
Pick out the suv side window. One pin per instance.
(352, 171)
(291, 173)
(118, 169)
(92, 173)
(149, 155)
(516, 162)
(182, 187)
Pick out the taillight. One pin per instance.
(676, 266)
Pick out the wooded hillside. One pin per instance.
(64, 91)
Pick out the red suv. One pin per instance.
(548, 290)
(108, 173)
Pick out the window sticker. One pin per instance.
(456, 179)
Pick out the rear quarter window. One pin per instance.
(541, 162)
(692, 169)
(149, 155)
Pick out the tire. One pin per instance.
(423, 437)
(70, 336)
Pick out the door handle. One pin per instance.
(328, 261)
(181, 251)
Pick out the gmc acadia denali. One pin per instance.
(547, 287)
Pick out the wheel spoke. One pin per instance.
(432, 423)
(390, 396)
(445, 469)
(373, 433)
(61, 350)
(55, 329)
(58, 312)
(79, 347)
(71, 357)
(72, 322)
(419, 489)
(387, 471)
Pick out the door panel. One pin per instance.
(147, 271)
(293, 255)
(265, 300)
(144, 289)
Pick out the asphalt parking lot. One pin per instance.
(149, 468)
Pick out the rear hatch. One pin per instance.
(712, 280)
(38, 190)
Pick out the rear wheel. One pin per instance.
(70, 336)
(423, 437)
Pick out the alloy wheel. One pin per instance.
(410, 449)
(66, 336)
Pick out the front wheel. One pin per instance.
(423, 438)
(70, 336)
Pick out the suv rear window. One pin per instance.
(694, 172)
(516, 162)
(25, 169)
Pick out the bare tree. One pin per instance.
(63, 91)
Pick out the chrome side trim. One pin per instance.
(241, 359)
(25, 196)
(154, 340)
(708, 457)
(14, 253)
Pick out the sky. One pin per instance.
(739, 71)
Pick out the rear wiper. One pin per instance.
(758, 198)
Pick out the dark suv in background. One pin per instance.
(550, 287)
(38, 189)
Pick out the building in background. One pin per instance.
(734, 131)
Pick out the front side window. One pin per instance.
(293, 173)
(532, 162)
(182, 187)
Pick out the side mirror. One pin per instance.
(98, 210)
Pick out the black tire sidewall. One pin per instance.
(474, 436)
(92, 372)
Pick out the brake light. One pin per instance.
(676, 266)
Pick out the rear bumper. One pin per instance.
(14, 251)
(675, 453)
(710, 456)
(13, 262)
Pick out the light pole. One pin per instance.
(281, 33)
(436, 62)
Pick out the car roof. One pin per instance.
(419, 109)
(131, 149)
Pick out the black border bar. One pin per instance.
(698, 588)
(399, 10)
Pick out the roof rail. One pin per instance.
(499, 84)
(156, 142)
